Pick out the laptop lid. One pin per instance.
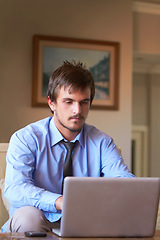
(109, 207)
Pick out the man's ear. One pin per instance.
(51, 105)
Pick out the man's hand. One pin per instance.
(59, 203)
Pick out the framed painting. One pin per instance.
(100, 57)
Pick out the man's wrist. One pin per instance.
(58, 203)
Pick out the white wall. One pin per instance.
(140, 99)
(88, 19)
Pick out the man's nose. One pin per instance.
(77, 108)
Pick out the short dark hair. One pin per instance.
(71, 74)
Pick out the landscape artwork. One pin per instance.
(96, 61)
(100, 57)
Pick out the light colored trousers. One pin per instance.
(29, 218)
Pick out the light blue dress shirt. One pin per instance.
(35, 160)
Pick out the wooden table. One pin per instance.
(51, 236)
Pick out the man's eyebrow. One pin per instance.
(71, 99)
(86, 99)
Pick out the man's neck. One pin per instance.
(66, 133)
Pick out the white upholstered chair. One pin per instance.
(4, 205)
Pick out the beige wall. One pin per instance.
(89, 19)
(146, 33)
(145, 112)
(155, 125)
(146, 86)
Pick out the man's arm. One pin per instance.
(20, 189)
(112, 162)
(59, 203)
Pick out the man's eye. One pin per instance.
(68, 102)
(85, 102)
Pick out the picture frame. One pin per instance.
(100, 57)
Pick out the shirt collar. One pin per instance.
(56, 136)
(80, 137)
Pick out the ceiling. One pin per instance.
(148, 1)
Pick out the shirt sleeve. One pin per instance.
(20, 189)
(112, 162)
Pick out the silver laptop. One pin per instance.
(109, 207)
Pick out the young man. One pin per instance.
(36, 154)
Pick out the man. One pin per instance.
(36, 153)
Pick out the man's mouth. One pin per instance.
(77, 117)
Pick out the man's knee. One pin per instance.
(28, 218)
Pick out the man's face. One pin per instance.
(70, 110)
